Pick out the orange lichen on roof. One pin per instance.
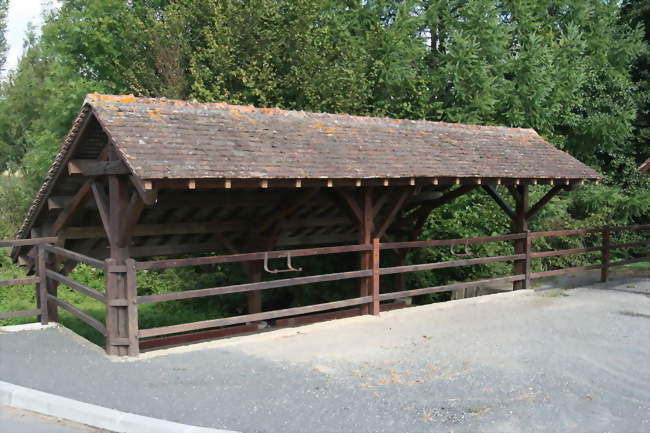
(325, 128)
(124, 99)
(154, 113)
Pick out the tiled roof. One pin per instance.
(162, 138)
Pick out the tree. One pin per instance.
(637, 13)
(4, 6)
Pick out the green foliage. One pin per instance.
(4, 7)
(575, 70)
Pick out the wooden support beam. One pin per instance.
(448, 197)
(93, 167)
(351, 203)
(542, 202)
(149, 196)
(381, 201)
(366, 228)
(102, 206)
(492, 192)
(514, 192)
(75, 203)
(522, 246)
(255, 297)
(375, 264)
(61, 201)
(117, 317)
(131, 219)
(282, 211)
(424, 196)
(397, 205)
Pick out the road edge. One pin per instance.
(114, 420)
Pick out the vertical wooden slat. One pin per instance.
(375, 276)
(111, 312)
(604, 272)
(132, 299)
(527, 261)
(520, 225)
(365, 235)
(117, 319)
(255, 297)
(42, 285)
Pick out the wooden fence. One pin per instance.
(47, 279)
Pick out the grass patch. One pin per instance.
(639, 265)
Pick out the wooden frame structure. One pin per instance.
(109, 198)
(124, 336)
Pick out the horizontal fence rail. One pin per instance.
(451, 242)
(246, 257)
(122, 303)
(287, 312)
(371, 274)
(74, 256)
(239, 288)
(99, 296)
(40, 311)
(26, 242)
(450, 264)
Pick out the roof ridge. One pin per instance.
(99, 98)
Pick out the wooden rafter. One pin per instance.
(148, 197)
(133, 212)
(283, 211)
(543, 201)
(492, 192)
(514, 192)
(103, 208)
(397, 204)
(350, 204)
(75, 203)
(448, 197)
(91, 167)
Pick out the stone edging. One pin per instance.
(90, 414)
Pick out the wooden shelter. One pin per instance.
(140, 177)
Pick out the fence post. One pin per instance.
(604, 271)
(112, 331)
(527, 251)
(522, 266)
(132, 308)
(41, 267)
(376, 254)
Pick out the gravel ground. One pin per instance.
(550, 361)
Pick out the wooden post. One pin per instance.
(42, 285)
(132, 300)
(117, 314)
(365, 237)
(400, 279)
(376, 254)
(529, 241)
(255, 297)
(112, 332)
(604, 271)
(520, 225)
(52, 288)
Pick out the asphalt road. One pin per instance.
(554, 361)
(21, 421)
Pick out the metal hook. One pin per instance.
(290, 268)
(465, 254)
